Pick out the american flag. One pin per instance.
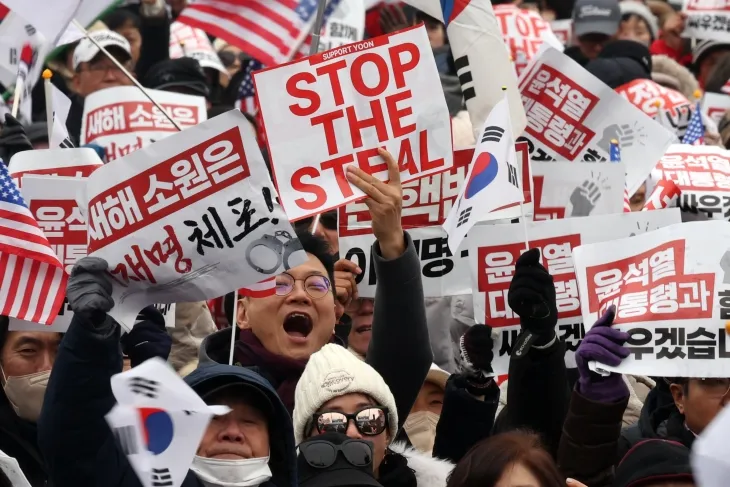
(33, 280)
(695, 134)
(614, 155)
(270, 31)
(246, 95)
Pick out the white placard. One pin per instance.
(494, 250)
(337, 107)
(706, 19)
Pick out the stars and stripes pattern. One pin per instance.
(270, 31)
(695, 134)
(307, 44)
(614, 155)
(246, 101)
(33, 282)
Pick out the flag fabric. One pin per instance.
(270, 31)
(493, 181)
(695, 134)
(614, 155)
(61, 107)
(246, 101)
(262, 289)
(33, 280)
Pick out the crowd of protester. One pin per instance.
(401, 385)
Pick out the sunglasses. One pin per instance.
(323, 454)
(369, 421)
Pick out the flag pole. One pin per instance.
(234, 325)
(523, 217)
(313, 48)
(126, 73)
(17, 95)
(47, 73)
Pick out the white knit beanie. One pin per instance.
(333, 372)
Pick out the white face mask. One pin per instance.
(421, 430)
(249, 472)
(26, 393)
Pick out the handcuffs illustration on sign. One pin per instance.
(280, 243)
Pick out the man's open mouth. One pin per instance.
(363, 328)
(298, 324)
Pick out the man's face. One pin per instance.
(295, 325)
(635, 29)
(638, 200)
(243, 433)
(591, 44)
(430, 398)
(27, 353)
(700, 401)
(98, 74)
(361, 312)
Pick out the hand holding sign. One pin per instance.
(90, 288)
(345, 285)
(385, 203)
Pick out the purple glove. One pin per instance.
(603, 344)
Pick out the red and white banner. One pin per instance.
(76, 163)
(706, 19)
(190, 219)
(671, 289)
(494, 250)
(715, 105)
(702, 174)
(573, 116)
(563, 30)
(186, 41)
(566, 189)
(426, 203)
(338, 107)
(668, 107)
(123, 120)
(524, 31)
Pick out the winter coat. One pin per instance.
(429, 471)
(73, 436)
(18, 439)
(399, 348)
(669, 73)
(538, 395)
(193, 322)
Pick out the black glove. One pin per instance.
(532, 297)
(475, 358)
(89, 289)
(148, 338)
(13, 139)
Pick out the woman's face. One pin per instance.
(131, 33)
(635, 29)
(517, 475)
(349, 404)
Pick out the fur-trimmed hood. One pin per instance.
(430, 471)
(665, 68)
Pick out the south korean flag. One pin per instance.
(493, 180)
(158, 422)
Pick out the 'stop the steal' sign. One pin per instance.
(337, 108)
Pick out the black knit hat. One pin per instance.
(184, 74)
(651, 461)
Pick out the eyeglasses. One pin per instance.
(103, 68)
(715, 387)
(323, 454)
(316, 286)
(369, 421)
(229, 58)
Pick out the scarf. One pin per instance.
(282, 372)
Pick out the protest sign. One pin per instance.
(524, 31)
(186, 41)
(344, 26)
(567, 189)
(563, 30)
(706, 19)
(573, 116)
(671, 289)
(494, 250)
(172, 220)
(340, 106)
(702, 174)
(12, 471)
(123, 120)
(76, 163)
(668, 107)
(714, 106)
